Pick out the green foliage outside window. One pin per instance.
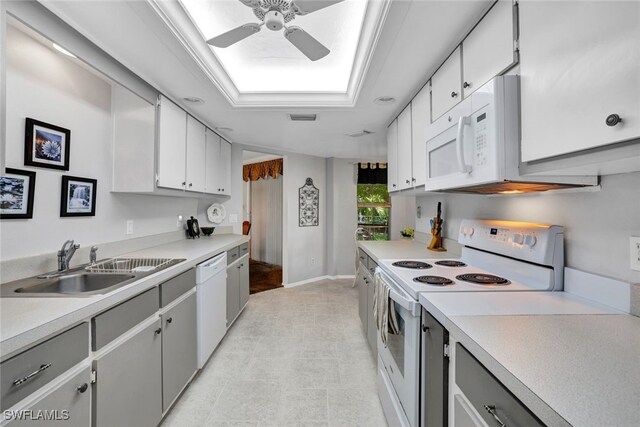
(373, 209)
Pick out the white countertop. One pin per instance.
(25, 321)
(405, 249)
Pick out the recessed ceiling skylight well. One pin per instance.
(265, 68)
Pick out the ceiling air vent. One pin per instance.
(303, 117)
(363, 132)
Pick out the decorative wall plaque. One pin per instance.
(309, 204)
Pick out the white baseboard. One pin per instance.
(316, 279)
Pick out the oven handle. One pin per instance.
(405, 301)
(462, 122)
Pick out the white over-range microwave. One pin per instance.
(475, 147)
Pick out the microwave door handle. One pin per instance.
(462, 122)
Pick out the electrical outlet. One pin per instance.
(634, 243)
(313, 261)
(129, 226)
(179, 221)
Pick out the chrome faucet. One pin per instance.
(65, 253)
(93, 255)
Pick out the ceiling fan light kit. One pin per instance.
(275, 14)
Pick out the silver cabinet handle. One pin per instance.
(191, 184)
(158, 331)
(184, 183)
(491, 409)
(82, 388)
(170, 319)
(454, 94)
(613, 119)
(32, 374)
(466, 85)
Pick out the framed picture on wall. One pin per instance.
(78, 196)
(46, 145)
(17, 188)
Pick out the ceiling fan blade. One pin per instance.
(251, 3)
(304, 7)
(235, 35)
(305, 43)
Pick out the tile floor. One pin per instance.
(294, 357)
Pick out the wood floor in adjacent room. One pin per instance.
(295, 357)
(263, 276)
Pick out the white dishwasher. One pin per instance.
(211, 281)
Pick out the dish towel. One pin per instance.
(384, 312)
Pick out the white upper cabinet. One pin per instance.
(446, 85)
(172, 142)
(405, 177)
(420, 121)
(580, 68)
(490, 49)
(212, 159)
(195, 155)
(224, 177)
(392, 156)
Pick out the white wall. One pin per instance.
(304, 247)
(45, 85)
(342, 219)
(597, 224)
(403, 214)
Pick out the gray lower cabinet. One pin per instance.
(69, 403)
(128, 388)
(179, 348)
(434, 379)
(372, 330)
(233, 293)
(237, 288)
(362, 297)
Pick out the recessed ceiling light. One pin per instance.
(63, 50)
(384, 100)
(193, 100)
(224, 129)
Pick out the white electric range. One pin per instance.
(497, 256)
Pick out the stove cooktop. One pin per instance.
(483, 279)
(416, 265)
(433, 280)
(450, 263)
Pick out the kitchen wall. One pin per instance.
(46, 85)
(403, 214)
(342, 219)
(597, 224)
(304, 247)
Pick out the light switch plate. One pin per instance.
(129, 226)
(634, 250)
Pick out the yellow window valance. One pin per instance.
(255, 171)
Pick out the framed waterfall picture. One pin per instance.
(46, 145)
(16, 194)
(78, 196)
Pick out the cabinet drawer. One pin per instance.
(233, 255)
(244, 249)
(176, 286)
(362, 255)
(111, 324)
(49, 359)
(485, 392)
(371, 265)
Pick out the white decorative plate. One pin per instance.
(216, 213)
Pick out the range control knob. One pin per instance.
(530, 240)
(517, 238)
(470, 231)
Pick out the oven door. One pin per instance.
(401, 357)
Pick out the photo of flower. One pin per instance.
(16, 194)
(78, 196)
(46, 145)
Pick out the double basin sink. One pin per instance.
(87, 280)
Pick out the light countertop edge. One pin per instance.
(37, 325)
(406, 249)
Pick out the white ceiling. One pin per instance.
(267, 62)
(249, 157)
(417, 36)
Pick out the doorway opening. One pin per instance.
(262, 218)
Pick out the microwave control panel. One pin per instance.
(480, 127)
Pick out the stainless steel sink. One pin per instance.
(80, 283)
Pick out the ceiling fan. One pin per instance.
(275, 14)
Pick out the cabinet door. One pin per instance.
(179, 348)
(392, 156)
(362, 296)
(196, 155)
(212, 154)
(420, 121)
(244, 282)
(128, 389)
(434, 372)
(372, 330)
(575, 76)
(233, 293)
(172, 143)
(489, 50)
(404, 149)
(446, 86)
(73, 396)
(224, 167)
